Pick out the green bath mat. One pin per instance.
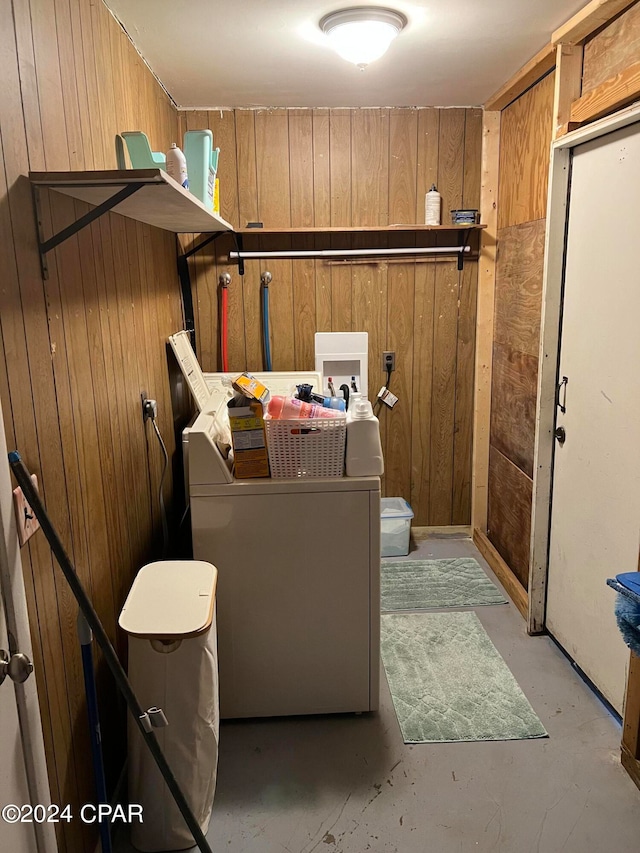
(449, 683)
(426, 584)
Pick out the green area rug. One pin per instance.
(426, 584)
(449, 683)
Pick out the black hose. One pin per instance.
(24, 481)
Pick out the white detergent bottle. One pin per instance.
(364, 450)
(432, 206)
(177, 166)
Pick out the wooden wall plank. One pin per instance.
(465, 356)
(445, 334)
(301, 171)
(223, 125)
(321, 169)
(401, 299)
(370, 166)
(525, 140)
(612, 50)
(484, 319)
(340, 136)
(427, 155)
(272, 167)
(403, 159)
(513, 405)
(589, 19)
(71, 384)
(519, 286)
(423, 345)
(509, 522)
(607, 97)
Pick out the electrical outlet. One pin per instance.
(388, 361)
(26, 521)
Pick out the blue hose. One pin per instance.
(265, 327)
(86, 645)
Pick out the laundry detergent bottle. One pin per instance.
(364, 450)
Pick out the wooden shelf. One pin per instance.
(360, 229)
(160, 201)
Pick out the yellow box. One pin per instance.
(249, 386)
(250, 455)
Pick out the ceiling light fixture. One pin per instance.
(362, 34)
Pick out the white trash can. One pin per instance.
(169, 616)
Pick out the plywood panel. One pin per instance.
(519, 286)
(525, 140)
(612, 49)
(513, 405)
(509, 521)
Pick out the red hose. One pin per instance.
(224, 330)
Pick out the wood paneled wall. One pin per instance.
(526, 132)
(77, 350)
(370, 167)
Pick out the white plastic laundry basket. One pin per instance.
(306, 447)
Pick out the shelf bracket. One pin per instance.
(45, 246)
(463, 249)
(185, 284)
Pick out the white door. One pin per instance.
(595, 522)
(23, 770)
(17, 837)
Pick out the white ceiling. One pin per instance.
(271, 53)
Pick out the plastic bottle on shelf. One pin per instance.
(177, 166)
(364, 450)
(288, 408)
(432, 206)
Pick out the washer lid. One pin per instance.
(170, 599)
(191, 370)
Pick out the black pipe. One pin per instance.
(84, 602)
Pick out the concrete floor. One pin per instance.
(348, 784)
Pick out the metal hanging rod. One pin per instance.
(348, 253)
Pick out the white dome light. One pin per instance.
(362, 34)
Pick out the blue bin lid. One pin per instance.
(631, 580)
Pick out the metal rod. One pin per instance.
(88, 218)
(348, 253)
(93, 620)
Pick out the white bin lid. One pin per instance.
(170, 599)
(395, 508)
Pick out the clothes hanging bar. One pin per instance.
(318, 254)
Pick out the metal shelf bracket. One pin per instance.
(45, 246)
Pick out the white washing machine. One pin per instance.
(298, 592)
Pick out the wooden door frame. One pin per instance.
(12, 586)
(549, 358)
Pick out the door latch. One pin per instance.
(18, 667)
(561, 435)
(562, 388)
